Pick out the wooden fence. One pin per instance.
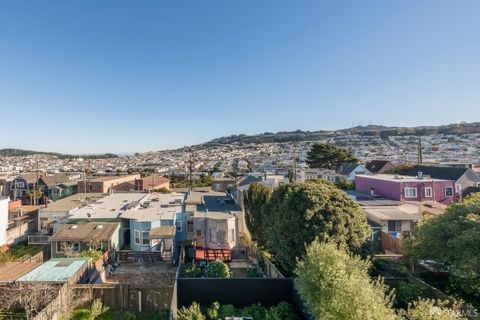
(391, 244)
(128, 297)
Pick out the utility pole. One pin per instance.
(35, 184)
(294, 173)
(420, 160)
(190, 168)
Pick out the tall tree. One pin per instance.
(300, 212)
(336, 285)
(327, 156)
(452, 241)
(255, 199)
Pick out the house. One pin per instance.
(3, 219)
(55, 215)
(104, 184)
(74, 238)
(223, 184)
(154, 224)
(22, 222)
(59, 270)
(23, 183)
(215, 223)
(464, 177)
(275, 180)
(390, 221)
(242, 186)
(153, 182)
(317, 174)
(380, 166)
(405, 188)
(351, 170)
(110, 209)
(58, 185)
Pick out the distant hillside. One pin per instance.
(23, 153)
(371, 130)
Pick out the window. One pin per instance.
(213, 235)
(145, 238)
(199, 233)
(231, 236)
(428, 192)
(221, 236)
(20, 184)
(448, 192)
(179, 225)
(372, 234)
(137, 237)
(394, 226)
(189, 226)
(56, 192)
(410, 192)
(67, 247)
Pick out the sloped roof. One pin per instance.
(55, 179)
(55, 270)
(11, 271)
(346, 168)
(445, 173)
(162, 232)
(85, 231)
(376, 165)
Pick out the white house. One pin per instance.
(3, 219)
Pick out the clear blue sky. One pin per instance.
(123, 76)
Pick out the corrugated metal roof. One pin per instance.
(55, 270)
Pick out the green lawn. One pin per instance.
(20, 250)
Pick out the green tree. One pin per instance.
(217, 269)
(344, 184)
(194, 312)
(254, 199)
(33, 194)
(327, 156)
(336, 285)
(452, 241)
(300, 212)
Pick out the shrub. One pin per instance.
(91, 253)
(254, 271)
(213, 313)
(227, 310)
(217, 269)
(193, 312)
(256, 311)
(285, 311)
(409, 292)
(190, 271)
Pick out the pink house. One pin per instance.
(403, 188)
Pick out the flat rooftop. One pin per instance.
(386, 211)
(211, 201)
(109, 178)
(73, 202)
(399, 178)
(157, 206)
(55, 270)
(101, 231)
(110, 207)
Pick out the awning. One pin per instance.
(162, 232)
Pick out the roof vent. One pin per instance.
(73, 227)
(99, 227)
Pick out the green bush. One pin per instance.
(213, 313)
(409, 292)
(256, 311)
(91, 253)
(217, 269)
(190, 271)
(193, 312)
(254, 271)
(227, 310)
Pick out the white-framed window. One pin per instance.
(190, 226)
(410, 192)
(394, 226)
(56, 192)
(428, 192)
(145, 238)
(372, 234)
(136, 234)
(448, 192)
(20, 184)
(179, 225)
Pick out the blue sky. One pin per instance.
(123, 76)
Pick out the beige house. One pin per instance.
(104, 184)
